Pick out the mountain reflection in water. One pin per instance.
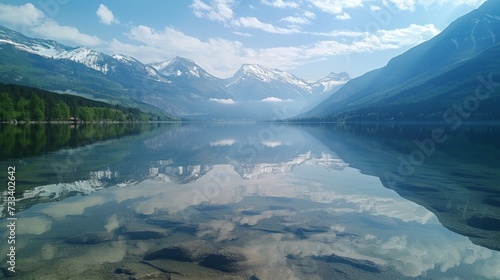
(265, 201)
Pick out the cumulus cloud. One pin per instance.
(255, 23)
(296, 20)
(280, 3)
(336, 6)
(51, 29)
(343, 16)
(35, 22)
(275, 99)
(26, 14)
(217, 10)
(222, 11)
(403, 4)
(410, 5)
(222, 57)
(106, 15)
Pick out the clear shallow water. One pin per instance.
(262, 201)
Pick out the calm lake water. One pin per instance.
(253, 201)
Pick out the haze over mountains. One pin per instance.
(180, 86)
(432, 81)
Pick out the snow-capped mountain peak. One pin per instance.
(91, 59)
(267, 75)
(124, 58)
(41, 47)
(331, 82)
(180, 67)
(159, 66)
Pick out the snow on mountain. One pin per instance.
(181, 67)
(45, 48)
(267, 75)
(87, 57)
(159, 66)
(182, 87)
(331, 82)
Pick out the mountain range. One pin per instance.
(446, 78)
(179, 87)
(436, 80)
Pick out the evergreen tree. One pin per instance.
(6, 107)
(37, 108)
(23, 109)
(60, 112)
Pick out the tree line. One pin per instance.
(27, 104)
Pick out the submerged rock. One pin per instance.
(228, 260)
(185, 252)
(90, 238)
(139, 271)
(365, 265)
(164, 221)
(141, 232)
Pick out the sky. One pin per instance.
(308, 38)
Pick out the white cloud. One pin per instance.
(243, 34)
(412, 35)
(223, 101)
(26, 14)
(106, 15)
(271, 144)
(223, 57)
(217, 10)
(274, 99)
(253, 22)
(402, 4)
(343, 16)
(342, 33)
(309, 15)
(280, 3)
(223, 143)
(221, 11)
(375, 8)
(37, 24)
(51, 29)
(296, 20)
(410, 5)
(336, 6)
(383, 39)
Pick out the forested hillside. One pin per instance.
(26, 104)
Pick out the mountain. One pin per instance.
(181, 67)
(257, 83)
(179, 87)
(263, 86)
(418, 85)
(331, 83)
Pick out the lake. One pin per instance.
(252, 201)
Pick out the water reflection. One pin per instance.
(457, 180)
(268, 202)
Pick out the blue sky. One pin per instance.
(309, 38)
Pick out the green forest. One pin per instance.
(26, 104)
